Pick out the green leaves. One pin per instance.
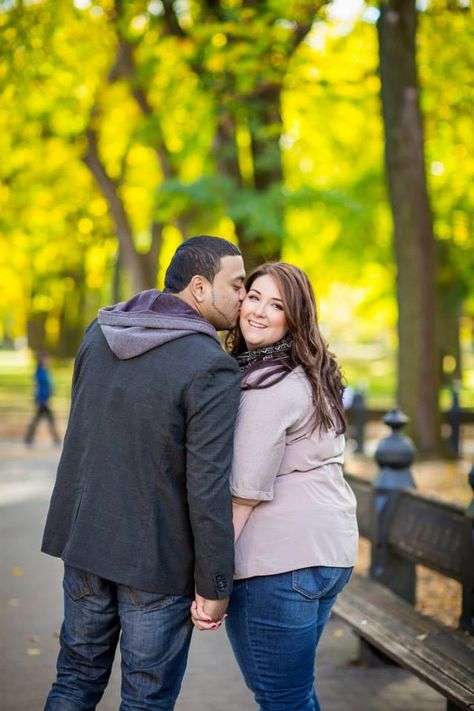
(258, 119)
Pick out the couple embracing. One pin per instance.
(174, 450)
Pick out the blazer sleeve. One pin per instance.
(212, 402)
(264, 418)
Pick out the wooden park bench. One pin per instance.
(405, 529)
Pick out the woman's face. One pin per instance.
(262, 319)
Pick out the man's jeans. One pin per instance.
(274, 625)
(154, 643)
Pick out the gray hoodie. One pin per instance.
(147, 320)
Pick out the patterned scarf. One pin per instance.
(276, 360)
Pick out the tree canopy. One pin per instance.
(126, 125)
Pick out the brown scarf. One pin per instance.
(275, 360)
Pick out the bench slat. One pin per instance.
(429, 532)
(443, 658)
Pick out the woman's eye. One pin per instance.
(252, 297)
(279, 307)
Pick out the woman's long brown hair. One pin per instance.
(309, 349)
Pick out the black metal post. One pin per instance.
(454, 417)
(467, 614)
(394, 456)
(359, 416)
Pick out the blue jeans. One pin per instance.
(154, 642)
(274, 625)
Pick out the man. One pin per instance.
(141, 509)
(43, 393)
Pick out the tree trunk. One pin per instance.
(418, 383)
(117, 277)
(36, 331)
(266, 127)
(143, 268)
(72, 319)
(449, 326)
(254, 250)
(451, 296)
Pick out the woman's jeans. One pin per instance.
(154, 630)
(274, 626)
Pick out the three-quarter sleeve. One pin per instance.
(264, 418)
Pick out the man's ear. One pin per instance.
(197, 286)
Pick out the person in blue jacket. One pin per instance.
(43, 392)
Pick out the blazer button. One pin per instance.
(221, 582)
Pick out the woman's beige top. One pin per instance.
(307, 514)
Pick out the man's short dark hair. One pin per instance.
(197, 256)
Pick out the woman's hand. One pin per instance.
(208, 614)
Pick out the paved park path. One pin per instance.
(31, 609)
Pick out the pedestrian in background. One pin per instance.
(43, 392)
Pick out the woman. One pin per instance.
(294, 514)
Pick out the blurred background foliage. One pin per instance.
(127, 125)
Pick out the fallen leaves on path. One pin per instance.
(34, 651)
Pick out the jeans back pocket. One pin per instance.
(317, 581)
(76, 583)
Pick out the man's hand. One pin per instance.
(208, 614)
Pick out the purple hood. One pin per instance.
(148, 320)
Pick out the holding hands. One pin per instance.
(208, 614)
